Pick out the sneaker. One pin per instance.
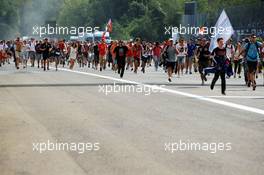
(205, 79)
(169, 79)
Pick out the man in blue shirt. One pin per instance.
(252, 58)
(190, 57)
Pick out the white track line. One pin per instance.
(237, 97)
(202, 98)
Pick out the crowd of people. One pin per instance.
(183, 57)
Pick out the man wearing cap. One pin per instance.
(252, 58)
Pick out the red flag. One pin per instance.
(109, 26)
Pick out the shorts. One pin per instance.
(202, 66)
(32, 55)
(144, 58)
(90, 57)
(137, 59)
(38, 56)
(18, 54)
(45, 57)
(171, 65)
(102, 59)
(181, 59)
(130, 59)
(189, 58)
(24, 55)
(252, 66)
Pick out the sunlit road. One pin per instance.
(131, 128)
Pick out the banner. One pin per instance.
(223, 29)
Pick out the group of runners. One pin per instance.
(183, 57)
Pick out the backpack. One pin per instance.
(248, 46)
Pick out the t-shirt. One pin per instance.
(121, 52)
(171, 51)
(102, 49)
(129, 52)
(229, 50)
(203, 51)
(32, 46)
(252, 53)
(191, 49)
(219, 55)
(157, 51)
(137, 49)
(46, 47)
(37, 48)
(96, 50)
(182, 49)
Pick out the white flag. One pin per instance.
(223, 29)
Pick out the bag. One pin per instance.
(247, 49)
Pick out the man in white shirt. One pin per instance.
(32, 51)
(182, 49)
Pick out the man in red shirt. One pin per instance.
(102, 54)
(137, 52)
(157, 54)
(130, 58)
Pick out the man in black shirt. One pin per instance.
(96, 54)
(203, 55)
(46, 48)
(220, 59)
(121, 51)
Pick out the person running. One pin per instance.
(102, 54)
(230, 51)
(2, 54)
(24, 52)
(91, 55)
(46, 48)
(220, 59)
(56, 54)
(109, 54)
(157, 55)
(73, 54)
(121, 52)
(32, 51)
(238, 60)
(181, 57)
(113, 54)
(63, 51)
(190, 56)
(96, 55)
(38, 52)
(203, 55)
(251, 51)
(137, 52)
(130, 59)
(170, 52)
(18, 55)
(145, 56)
